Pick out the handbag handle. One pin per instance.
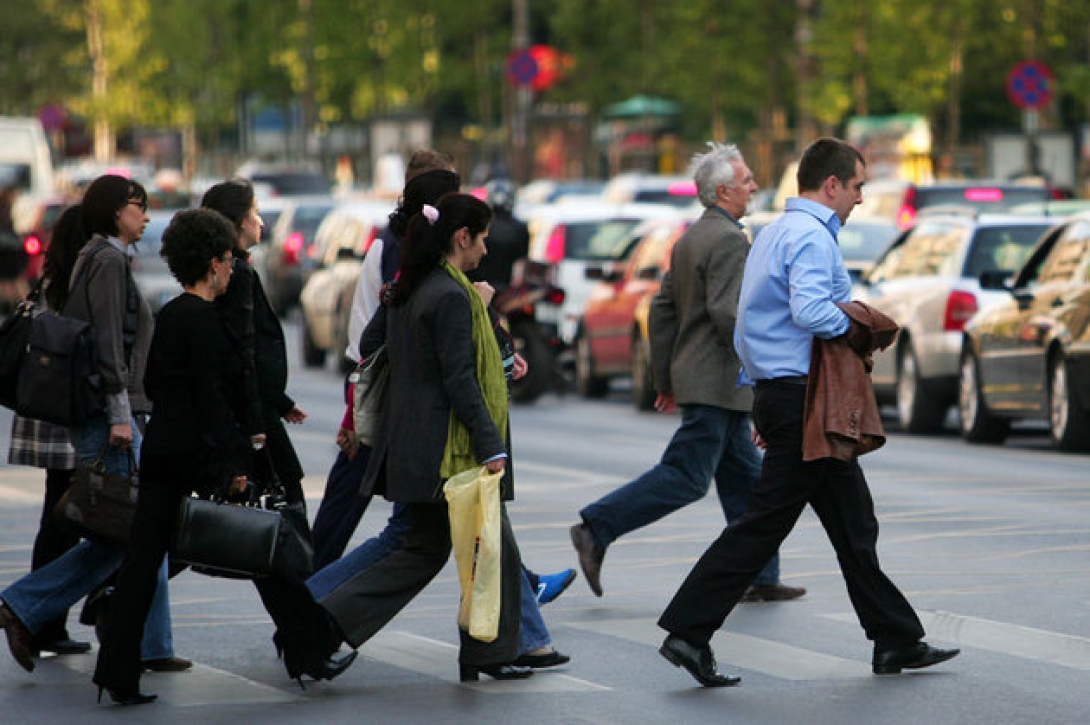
(98, 464)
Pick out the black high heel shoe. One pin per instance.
(472, 673)
(126, 698)
(278, 643)
(324, 669)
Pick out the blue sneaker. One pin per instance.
(552, 586)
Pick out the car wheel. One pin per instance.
(643, 387)
(1068, 423)
(539, 358)
(313, 356)
(977, 424)
(918, 409)
(587, 382)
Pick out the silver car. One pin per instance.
(927, 281)
(149, 269)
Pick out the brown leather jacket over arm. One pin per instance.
(841, 419)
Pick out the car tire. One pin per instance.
(977, 424)
(587, 383)
(1068, 422)
(643, 387)
(918, 407)
(313, 356)
(539, 358)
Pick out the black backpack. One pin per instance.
(58, 380)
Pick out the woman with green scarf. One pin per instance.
(446, 412)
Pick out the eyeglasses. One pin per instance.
(142, 204)
(228, 258)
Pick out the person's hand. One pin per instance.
(496, 466)
(665, 402)
(758, 440)
(348, 442)
(486, 291)
(295, 415)
(521, 367)
(120, 435)
(257, 440)
(238, 486)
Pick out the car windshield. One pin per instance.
(598, 239)
(269, 219)
(864, 242)
(307, 219)
(665, 196)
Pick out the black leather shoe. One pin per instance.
(471, 673)
(699, 661)
(325, 669)
(915, 657)
(778, 592)
(167, 664)
(65, 646)
(541, 661)
(19, 639)
(127, 698)
(590, 556)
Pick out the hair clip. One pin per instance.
(430, 213)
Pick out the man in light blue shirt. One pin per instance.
(793, 278)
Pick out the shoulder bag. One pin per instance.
(370, 379)
(14, 334)
(98, 505)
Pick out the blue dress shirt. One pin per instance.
(794, 276)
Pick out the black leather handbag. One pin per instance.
(225, 539)
(98, 505)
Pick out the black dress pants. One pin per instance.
(838, 493)
(164, 480)
(366, 602)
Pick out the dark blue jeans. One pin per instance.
(712, 442)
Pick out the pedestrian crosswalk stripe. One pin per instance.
(751, 653)
(440, 659)
(1040, 645)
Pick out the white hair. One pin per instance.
(712, 169)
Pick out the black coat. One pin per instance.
(429, 343)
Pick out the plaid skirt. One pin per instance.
(41, 444)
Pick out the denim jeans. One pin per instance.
(48, 592)
(85, 571)
(712, 442)
(533, 634)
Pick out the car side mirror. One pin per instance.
(594, 272)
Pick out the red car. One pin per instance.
(612, 338)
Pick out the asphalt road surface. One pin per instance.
(990, 544)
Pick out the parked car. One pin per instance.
(341, 242)
(678, 191)
(33, 218)
(902, 201)
(290, 254)
(149, 269)
(1028, 357)
(862, 239)
(927, 281)
(284, 180)
(568, 237)
(613, 340)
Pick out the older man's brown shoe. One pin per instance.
(19, 639)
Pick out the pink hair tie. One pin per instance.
(430, 213)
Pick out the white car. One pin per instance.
(928, 282)
(569, 237)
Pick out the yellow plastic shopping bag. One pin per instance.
(473, 503)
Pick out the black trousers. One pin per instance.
(838, 493)
(164, 480)
(52, 541)
(365, 603)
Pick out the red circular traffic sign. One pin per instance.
(1030, 84)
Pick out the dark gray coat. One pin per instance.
(691, 319)
(429, 342)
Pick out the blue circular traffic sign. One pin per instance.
(1030, 84)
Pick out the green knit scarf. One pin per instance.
(458, 454)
